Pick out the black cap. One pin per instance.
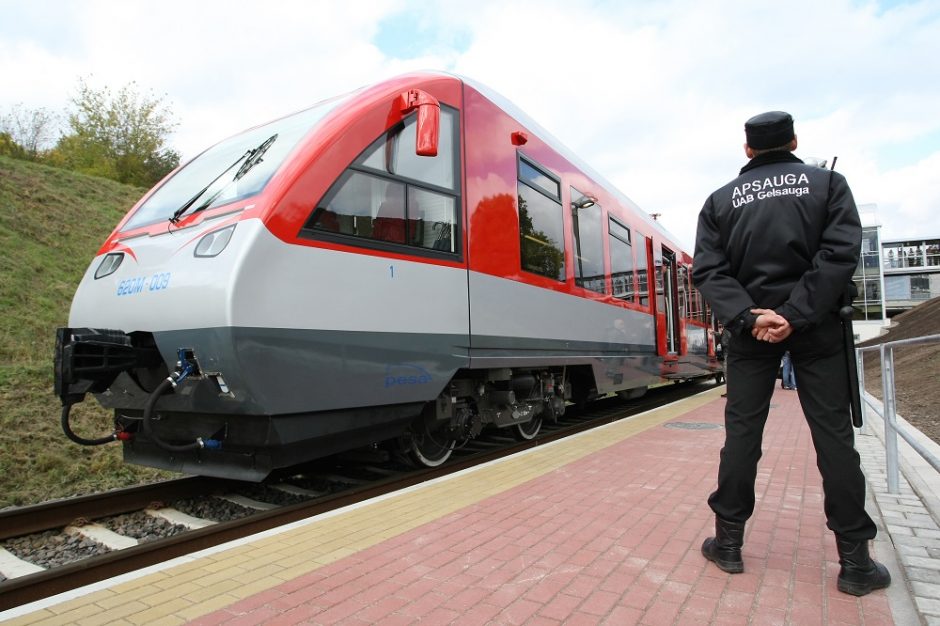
(769, 130)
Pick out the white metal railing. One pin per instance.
(889, 415)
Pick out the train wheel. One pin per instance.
(529, 430)
(425, 450)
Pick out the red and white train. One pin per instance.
(411, 262)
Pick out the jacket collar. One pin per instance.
(770, 157)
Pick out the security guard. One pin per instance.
(774, 253)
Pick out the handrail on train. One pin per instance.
(889, 415)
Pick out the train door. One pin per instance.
(667, 302)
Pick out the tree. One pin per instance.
(123, 136)
(32, 130)
(9, 147)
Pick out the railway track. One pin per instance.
(356, 480)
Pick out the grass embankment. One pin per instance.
(52, 222)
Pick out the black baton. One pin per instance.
(848, 338)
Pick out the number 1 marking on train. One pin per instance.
(391, 269)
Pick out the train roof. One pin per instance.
(329, 106)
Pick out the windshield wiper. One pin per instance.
(251, 158)
(254, 157)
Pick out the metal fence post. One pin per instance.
(891, 422)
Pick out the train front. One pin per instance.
(153, 313)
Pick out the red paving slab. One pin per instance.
(612, 538)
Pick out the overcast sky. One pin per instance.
(653, 95)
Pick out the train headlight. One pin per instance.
(213, 243)
(109, 264)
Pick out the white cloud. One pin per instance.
(909, 197)
(34, 75)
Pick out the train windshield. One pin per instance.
(201, 171)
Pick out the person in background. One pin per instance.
(789, 375)
(775, 251)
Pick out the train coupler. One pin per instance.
(88, 360)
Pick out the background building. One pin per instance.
(892, 275)
(911, 272)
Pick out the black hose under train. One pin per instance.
(148, 428)
(67, 429)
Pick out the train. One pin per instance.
(402, 267)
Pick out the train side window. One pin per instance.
(541, 224)
(699, 314)
(538, 179)
(642, 269)
(363, 206)
(432, 220)
(395, 154)
(621, 260)
(388, 195)
(588, 243)
(695, 304)
(682, 273)
(377, 208)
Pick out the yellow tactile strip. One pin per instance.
(207, 581)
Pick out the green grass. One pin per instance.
(52, 223)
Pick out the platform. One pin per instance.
(601, 528)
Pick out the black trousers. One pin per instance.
(752, 365)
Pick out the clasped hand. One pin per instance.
(769, 326)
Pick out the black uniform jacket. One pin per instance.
(784, 236)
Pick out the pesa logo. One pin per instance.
(398, 374)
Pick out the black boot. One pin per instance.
(860, 574)
(724, 549)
